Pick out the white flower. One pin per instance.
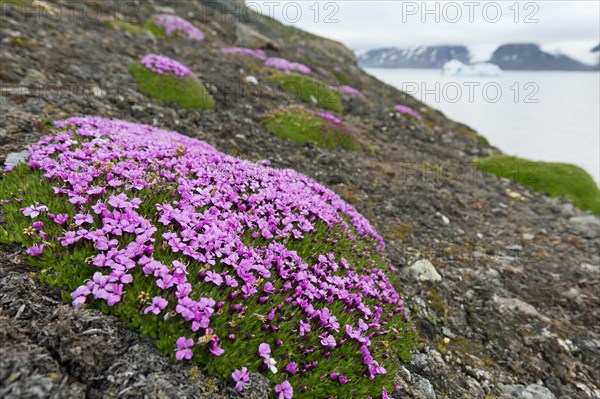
(271, 364)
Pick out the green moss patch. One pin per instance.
(309, 90)
(302, 125)
(157, 31)
(342, 77)
(555, 179)
(136, 29)
(188, 93)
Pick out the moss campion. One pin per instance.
(309, 90)
(168, 80)
(260, 54)
(322, 128)
(287, 66)
(221, 261)
(350, 90)
(174, 25)
(165, 65)
(405, 110)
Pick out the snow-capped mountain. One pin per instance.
(413, 57)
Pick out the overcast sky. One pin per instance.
(570, 27)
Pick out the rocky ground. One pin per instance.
(503, 283)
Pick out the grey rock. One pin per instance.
(248, 37)
(419, 360)
(587, 225)
(514, 248)
(14, 158)
(448, 333)
(424, 387)
(424, 270)
(590, 267)
(165, 10)
(34, 77)
(2, 132)
(567, 209)
(515, 304)
(533, 391)
(474, 389)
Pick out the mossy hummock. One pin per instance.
(311, 90)
(220, 261)
(167, 80)
(556, 179)
(322, 128)
(169, 25)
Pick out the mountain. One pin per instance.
(529, 57)
(414, 57)
(509, 57)
(596, 49)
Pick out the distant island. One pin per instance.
(509, 57)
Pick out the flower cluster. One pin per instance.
(350, 90)
(175, 25)
(165, 65)
(405, 110)
(287, 66)
(330, 117)
(235, 229)
(260, 54)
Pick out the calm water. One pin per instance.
(544, 116)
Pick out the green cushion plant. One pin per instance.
(223, 262)
(302, 125)
(171, 82)
(310, 90)
(556, 179)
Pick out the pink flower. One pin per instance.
(158, 304)
(35, 250)
(240, 377)
(34, 211)
(285, 390)
(83, 218)
(290, 368)
(304, 328)
(80, 295)
(264, 351)
(215, 278)
(183, 350)
(69, 238)
(214, 348)
(61, 218)
(328, 341)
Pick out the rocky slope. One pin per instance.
(511, 311)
